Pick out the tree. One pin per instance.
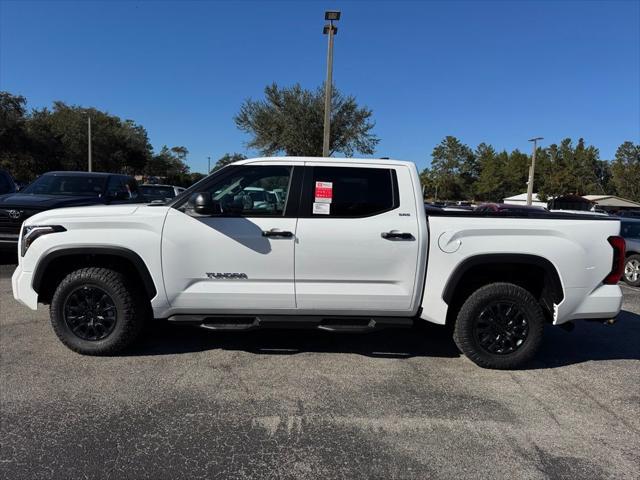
(491, 181)
(13, 134)
(290, 120)
(516, 173)
(453, 169)
(46, 139)
(168, 163)
(228, 158)
(564, 169)
(625, 171)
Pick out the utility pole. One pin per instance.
(532, 169)
(89, 142)
(208, 165)
(331, 30)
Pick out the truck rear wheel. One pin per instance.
(499, 326)
(94, 312)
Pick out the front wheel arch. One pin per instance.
(55, 264)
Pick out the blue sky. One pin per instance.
(499, 72)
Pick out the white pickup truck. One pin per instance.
(349, 249)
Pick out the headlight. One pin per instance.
(31, 232)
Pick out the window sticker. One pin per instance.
(324, 192)
(321, 208)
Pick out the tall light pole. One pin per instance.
(532, 169)
(208, 165)
(89, 143)
(331, 30)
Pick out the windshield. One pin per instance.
(157, 192)
(67, 185)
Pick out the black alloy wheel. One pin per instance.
(90, 313)
(501, 328)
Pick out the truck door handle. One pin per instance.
(277, 233)
(396, 235)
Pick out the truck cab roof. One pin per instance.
(338, 160)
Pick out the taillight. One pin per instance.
(617, 268)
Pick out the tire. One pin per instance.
(97, 293)
(631, 274)
(491, 335)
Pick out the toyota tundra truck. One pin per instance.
(348, 248)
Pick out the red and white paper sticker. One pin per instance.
(324, 192)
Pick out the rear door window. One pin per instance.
(349, 192)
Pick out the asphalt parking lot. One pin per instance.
(188, 403)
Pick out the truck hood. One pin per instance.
(62, 215)
(43, 202)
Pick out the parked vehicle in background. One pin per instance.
(154, 192)
(351, 250)
(508, 209)
(261, 198)
(61, 189)
(630, 231)
(7, 183)
(629, 213)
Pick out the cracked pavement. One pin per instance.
(190, 403)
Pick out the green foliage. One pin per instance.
(228, 158)
(45, 139)
(567, 169)
(625, 171)
(561, 169)
(454, 170)
(290, 120)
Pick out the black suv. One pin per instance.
(62, 189)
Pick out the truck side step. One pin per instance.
(331, 324)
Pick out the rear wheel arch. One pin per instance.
(57, 263)
(539, 276)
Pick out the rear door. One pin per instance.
(357, 240)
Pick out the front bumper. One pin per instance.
(9, 241)
(21, 283)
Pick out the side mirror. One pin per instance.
(203, 204)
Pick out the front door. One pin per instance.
(357, 240)
(241, 259)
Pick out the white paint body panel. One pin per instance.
(191, 247)
(331, 266)
(578, 249)
(136, 227)
(335, 267)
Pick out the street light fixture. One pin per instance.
(330, 15)
(532, 169)
(331, 30)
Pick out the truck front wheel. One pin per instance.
(95, 312)
(499, 326)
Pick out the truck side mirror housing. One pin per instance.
(203, 204)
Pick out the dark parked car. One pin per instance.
(61, 189)
(7, 184)
(630, 231)
(154, 192)
(629, 214)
